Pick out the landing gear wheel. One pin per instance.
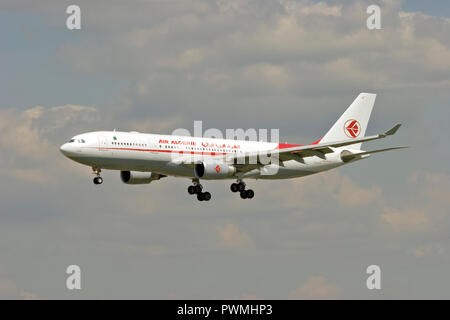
(200, 196)
(97, 179)
(241, 186)
(250, 193)
(206, 196)
(198, 189)
(234, 187)
(243, 194)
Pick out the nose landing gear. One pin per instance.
(97, 179)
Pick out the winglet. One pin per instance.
(392, 131)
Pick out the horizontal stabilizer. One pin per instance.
(349, 157)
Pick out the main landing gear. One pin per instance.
(240, 187)
(197, 188)
(97, 179)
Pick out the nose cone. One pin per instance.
(65, 149)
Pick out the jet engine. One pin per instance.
(136, 177)
(213, 170)
(347, 156)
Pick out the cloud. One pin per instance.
(430, 192)
(271, 74)
(351, 71)
(316, 287)
(27, 133)
(161, 126)
(427, 208)
(245, 297)
(434, 186)
(9, 291)
(350, 195)
(190, 57)
(293, 65)
(319, 8)
(30, 140)
(286, 28)
(412, 219)
(232, 237)
(279, 59)
(31, 175)
(432, 249)
(19, 134)
(310, 191)
(28, 296)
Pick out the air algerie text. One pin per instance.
(204, 144)
(205, 311)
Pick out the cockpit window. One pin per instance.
(77, 140)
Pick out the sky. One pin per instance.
(155, 66)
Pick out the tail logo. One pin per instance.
(352, 128)
(217, 168)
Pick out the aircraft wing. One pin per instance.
(242, 161)
(319, 149)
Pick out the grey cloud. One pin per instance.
(291, 65)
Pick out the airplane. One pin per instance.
(142, 158)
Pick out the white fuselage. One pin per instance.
(133, 151)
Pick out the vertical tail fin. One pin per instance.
(354, 120)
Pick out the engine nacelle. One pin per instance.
(213, 170)
(347, 156)
(136, 177)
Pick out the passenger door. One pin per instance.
(102, 143)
